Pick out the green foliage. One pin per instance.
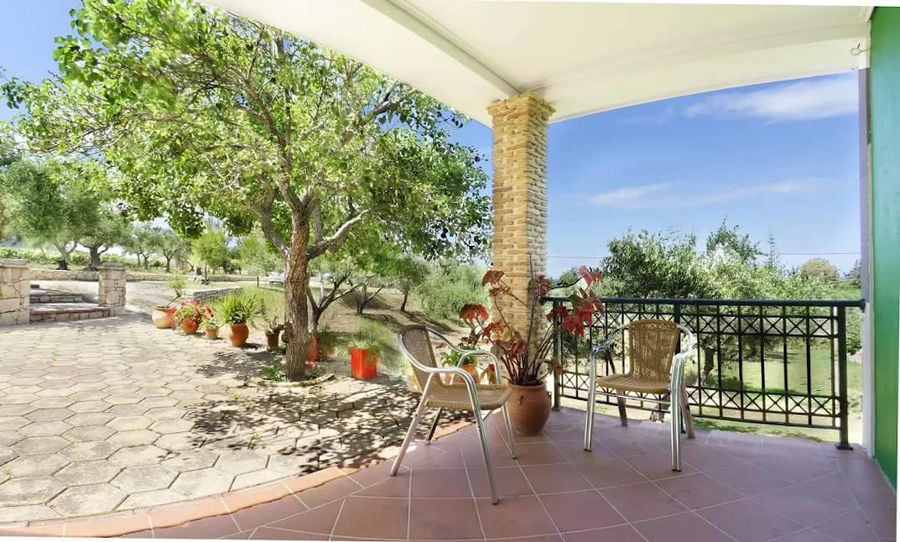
(366, 337)
(257, 255)
(178, 283)
(854, 276)
(448, 286)
(820, 269)
(211, 248)
(239, 308)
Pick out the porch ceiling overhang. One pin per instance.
(581, 57)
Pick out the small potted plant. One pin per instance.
(188, 316)
(274, 326)
(364, 354)
(236, 310)
(326, 341)
(163, 316)
(210, 323)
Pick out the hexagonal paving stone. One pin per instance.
(89, 395)
(11, 423)
(87, 472)
(44, 429)
(137, 456)
(166, 413)
(200, 483)
(136, 479)
(89, 418)
(121, 399)
(155, 402)
(86, 433)
(54, 402)
(241, 461)
(255, 478)
(180, 441)
(40, 445)
(8, 438)
(7, 455)
(172, 426)
(49, 414)
(86, 500)
(16, 410)
(30, 512)
(30, 466)
(153, 392)
(19, 399)
(150, 498)
(29, 491)
(87, 451)
(130, 423)
(136, 409)
(135, 437)
(88, 406)
(191, 460)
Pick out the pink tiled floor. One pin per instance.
(732, 487)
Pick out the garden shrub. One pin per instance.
(449, 286)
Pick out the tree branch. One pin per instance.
(334, 241)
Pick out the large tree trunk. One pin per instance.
(168, 263)
(95, 258)
(361, 294)
(296, 281)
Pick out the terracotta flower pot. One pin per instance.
(162, 317)
(529, 409)
(272, 341)
(189, 327)
(470, 368)
(363, 363)
(239, 334)
(212, 333)
(312, 350)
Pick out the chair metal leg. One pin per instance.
(589, 417)
(509, 432)
(482, 436)
(686, 417)
(411, 432)
(434, 425)
(622, 415)
(676, 431)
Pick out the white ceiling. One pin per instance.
(582, 57)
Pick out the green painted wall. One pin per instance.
(884, 95)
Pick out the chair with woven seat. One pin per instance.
(427, 378)
(656, 368)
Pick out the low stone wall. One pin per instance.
(133, 276)
(204, 296)
(15, 286)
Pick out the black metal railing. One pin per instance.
(780, 362)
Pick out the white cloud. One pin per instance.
(629, 198)
(804, 100)
(662, 194)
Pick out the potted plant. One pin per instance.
(236, 310)
(274, 327)
(325, 342)
(210, 323)
(524, 353)
(188, 316)
(163, 316)
(364, 354)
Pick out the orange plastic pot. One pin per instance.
(312, 350)
(363, 363)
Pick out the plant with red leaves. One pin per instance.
(524, 353)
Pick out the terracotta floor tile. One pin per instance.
(834, 486)
(139, 534)
(681, 527)
(256, 516)
(373, 517)
(749, 521)
(510, 481)
(802, 506)
(444, 519)
(698, 490)
(514, 516)
(329, 492)
(623, 533)
(883, 520)
(269, 533)
(642, 501)
(748, 480)
(806, 535)
(440, 483)
(241, 535)
(317, 520)
(658, 465)
(580, 511)
(205, 528)
(555, 478)
(609, 472)
(393, 486)
(539, 453)
(851, 527)
(428, 457)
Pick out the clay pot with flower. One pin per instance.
(188, 316)
(524, 353)
(210, 323)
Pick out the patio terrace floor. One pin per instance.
(733, 487)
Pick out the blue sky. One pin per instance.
(778, 159)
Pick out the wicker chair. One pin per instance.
(415, 344)
(655, 369)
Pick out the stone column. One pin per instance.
(112, 287)
(520, 194)
(15, 287)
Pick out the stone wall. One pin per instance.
(207, 295)
(15, 285)
(520, 194)
(132, 276)
(111, 288)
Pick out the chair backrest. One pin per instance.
(415, 343)
(652, 346)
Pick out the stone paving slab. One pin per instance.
(101, 416)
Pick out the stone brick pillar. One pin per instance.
(520, 194)
(15, 287)
(111, 291)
